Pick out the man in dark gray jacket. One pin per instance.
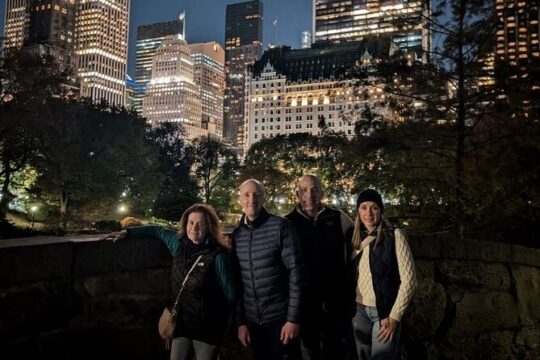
(266, 254)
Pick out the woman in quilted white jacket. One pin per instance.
(384, 279)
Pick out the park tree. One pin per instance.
(215, 168)
(28, 83)
(89, 155)
(438, 107)
(176, 188)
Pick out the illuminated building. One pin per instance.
(149, 38)
(209, 62)
(243, 46)
(51, 30)
(172, 94)
(16, 19)
(101, 46)
(352, 20)
(290, 91)
(517, 54)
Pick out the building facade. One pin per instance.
(16, 22)
(306, 91)
(243, 46)
(149, 38)
(51, 30)
(101, 47)
(352, 20)
(172, 94)
(209, 71)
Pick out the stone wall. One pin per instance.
(84, 298)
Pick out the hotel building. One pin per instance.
(292, 91)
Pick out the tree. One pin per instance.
(27, 84)
(89, 155)
(445, 96)
(176, 189)
(215, 168)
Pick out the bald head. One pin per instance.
(310, 194)
(251, 198)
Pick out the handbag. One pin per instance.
(167, 321)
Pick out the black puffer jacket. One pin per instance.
(267, 257)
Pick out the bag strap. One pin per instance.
(185, 280)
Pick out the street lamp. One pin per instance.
(33, 210)
(122, 209)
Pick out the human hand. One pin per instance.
(387, 329)
(243, 335)
(115, 236)
(288, 332)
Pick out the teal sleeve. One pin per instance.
(169, 237)
(224, 275)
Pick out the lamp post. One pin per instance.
(33, 210)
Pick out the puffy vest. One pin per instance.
(384, 271)
(202, 308)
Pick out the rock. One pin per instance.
(153, 281)
(527, 290)
(474, 273)
(525, 256)
(425, 269)
(497, 345)
(483, 311)
(426, 310)
(528, 342)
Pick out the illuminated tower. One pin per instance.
(172, 94)
(149, 38)
(16, 20)
(101, 46)
(209, 66)
(353, 20)
(243, 46)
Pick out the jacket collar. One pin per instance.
(298, 209)
(259, 220)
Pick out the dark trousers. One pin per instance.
(267, 345)
(324, 334)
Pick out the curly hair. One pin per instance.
(215, 229)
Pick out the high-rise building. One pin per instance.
(209, 66)
(353, 20)
(149, 38)
(101, 47)
(172, 94)
(243, 46)
(293, 91)
(16, 19)
(518, 31)
(51, 29)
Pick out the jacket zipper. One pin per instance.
(253, 277)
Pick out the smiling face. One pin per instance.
(310, 194)
(369, 214)
(196, 227)
(251, 199)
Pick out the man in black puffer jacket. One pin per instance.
(266, 254)
(325, 238)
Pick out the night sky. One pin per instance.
(205, 20)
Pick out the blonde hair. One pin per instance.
(212, 220)
(357, 234)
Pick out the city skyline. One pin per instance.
(293, 18)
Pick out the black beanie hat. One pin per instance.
(370, 195)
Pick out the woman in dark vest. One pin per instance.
(209, 291)
(384, 279)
